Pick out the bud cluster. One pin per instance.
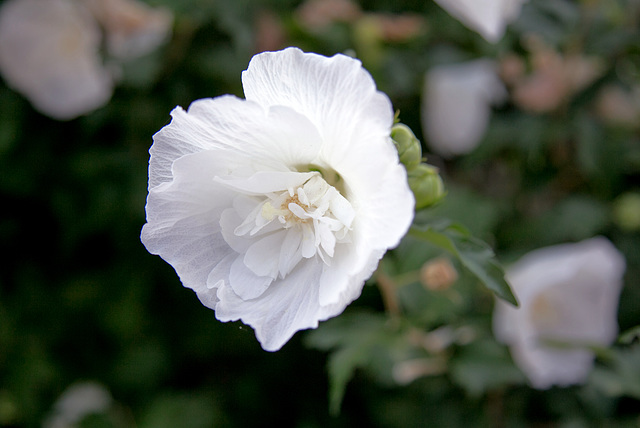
(424, 180)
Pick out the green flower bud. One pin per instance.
(408, 146)
(426, 185)
(626, 211)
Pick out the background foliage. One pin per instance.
(81, 299)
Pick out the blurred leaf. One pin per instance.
(359, 339)
(484, 365)
(552, 19)
(573, 218)
(12, 116)
(630, 335)
(181, 410)
(342, 365)
(602, 163)
(474, 255)
(478, 213)
(142, 364)
(621, 374)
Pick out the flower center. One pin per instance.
(305, 220)
(285, 213)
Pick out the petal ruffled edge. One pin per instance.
(275, 138)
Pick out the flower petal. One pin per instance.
(567, 293)
(267, 181)
(288, 305)
(341, 283)
(290, 253)
(229, 221)
(456, 105)
(263, 256)
(273, 139)
(181, 219)
(488, 17)
(246, 284)
(336, 93)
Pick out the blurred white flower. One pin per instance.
(132, 28)
(49, 52)
(489, 18)
(568, 295)
(456, 105)
(277, 208)
(76, 402)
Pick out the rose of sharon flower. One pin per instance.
(49, 52)
(456, 105)
(77, 402)
(487, 17)
(276, 208)
(568, 295)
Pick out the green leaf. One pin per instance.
(355, 336)
(629, 336)
(188, 410)
(342, 365)
(474, 254)
(484, 365)
(621, 375)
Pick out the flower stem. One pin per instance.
(388, 291)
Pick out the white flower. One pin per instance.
(277, 208)
(487, 17)
(132, 28)
(49, 52)
(76, 402)
(456, 105)
(568, 294)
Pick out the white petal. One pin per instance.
(568, 293)
(308, 245)
(384, 204)
(217, 278)
(288, 305)
(274, 139)
(340, 283)
(246, 284)
(327, 238)
(298, 211)
(290, 253)
(336, 93)
(220, 273)
(229, 222)
(263, 256)
(263, 182)
(342, 210)
(182, 219)
(487, 17)
(456, 105)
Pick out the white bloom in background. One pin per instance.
(49, 52)
(277, 208)
(568, 294)
(132, 28)
(77, 402)
(489, 18)
(456, 105)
